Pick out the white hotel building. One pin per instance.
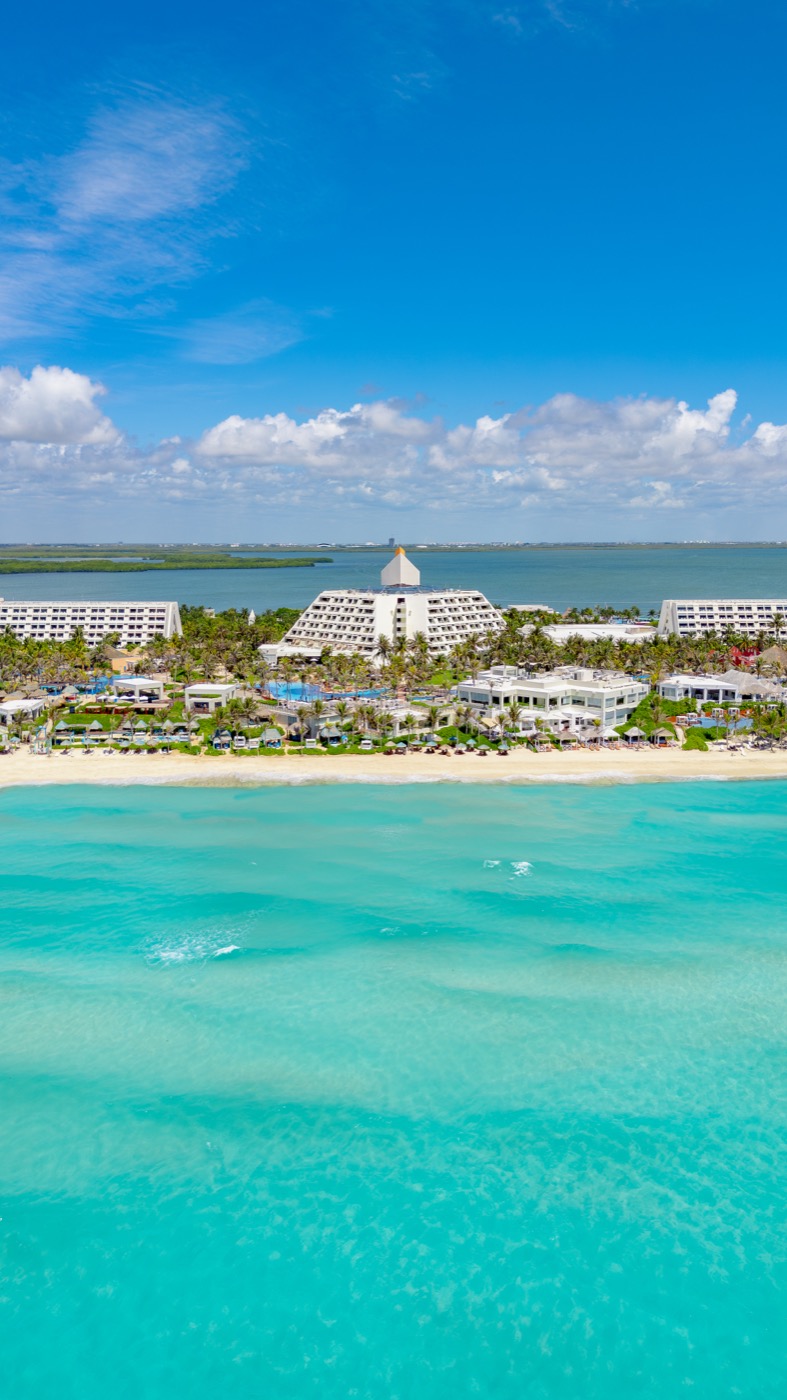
(353, 619)
(577, 696)
(136, 623)
(691, 617)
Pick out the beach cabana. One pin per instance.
(634, 734)
(271, 738)
(142, 690)
(661, 737)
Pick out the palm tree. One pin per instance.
(433, 716)
(384, 722)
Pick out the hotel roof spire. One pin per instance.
(400, 573)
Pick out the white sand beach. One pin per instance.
(642, 766)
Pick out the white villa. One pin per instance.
(691, 617)
(729, 688)
(28, 707)
(138, 688)
(206, 697)
(137, 623)
(575, 696)
(353, 619)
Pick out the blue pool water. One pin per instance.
(297, 691)
(419, 1092)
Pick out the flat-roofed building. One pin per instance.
(144, 689)
(206, 697)
(354, 619)
(702, 688)
(729, 688)
(27, 707)
(691, 617)
(576, 695)
(135, 623)
(561, 632)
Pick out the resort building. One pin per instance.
(729, 688)
(135, 623)
(206, 697)
(574, 696)
(353, 619)
(142, 690)
(560, 632)
(26, 707)
(701, 688)
(691, 617)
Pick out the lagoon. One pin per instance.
(558, 577)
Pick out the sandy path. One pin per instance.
(22, 767)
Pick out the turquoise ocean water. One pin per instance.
(559, 578)
(416, 1092)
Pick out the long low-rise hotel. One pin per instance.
(562, 632)
(692, 617)
(576, 695)
(134, 623)
(354, 619)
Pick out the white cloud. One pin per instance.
(627, 459)
(149, 159)
(250, 332)
(627, 454)
(345, 442)
(53, 406)
(130, 209)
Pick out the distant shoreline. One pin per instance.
(238, 558)
(10, 567)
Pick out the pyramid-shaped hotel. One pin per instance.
(353, 620)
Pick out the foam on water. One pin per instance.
(391, 1092)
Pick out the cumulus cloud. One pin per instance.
(628, 457)
(629, 454)
(54, 406)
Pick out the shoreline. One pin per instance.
(22, 769)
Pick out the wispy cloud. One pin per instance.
(133, 208)
(250, 332)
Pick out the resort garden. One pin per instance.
(341, 703)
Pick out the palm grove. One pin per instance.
(227, 646)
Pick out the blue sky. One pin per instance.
(439, 269)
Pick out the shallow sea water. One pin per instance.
(413, 1092)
